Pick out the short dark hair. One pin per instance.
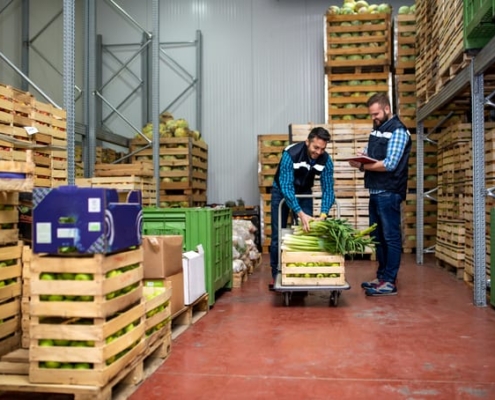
(380, 98)
(320, 133)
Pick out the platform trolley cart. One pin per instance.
(335, 284)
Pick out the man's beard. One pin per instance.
(380, 122)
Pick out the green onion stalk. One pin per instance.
(333, 235)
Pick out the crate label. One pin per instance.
(66, 233)
(44, 232)
(31, 130)
(94, 205)
(94, 227)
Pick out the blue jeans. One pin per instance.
(306, 205)
(384, 210)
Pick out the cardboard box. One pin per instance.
(85, 220)
(162, 256)
(193, 265)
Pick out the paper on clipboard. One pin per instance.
(362, 159)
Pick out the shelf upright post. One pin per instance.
(69, 83)
(25, 44)
(199, 78)
(90, 114)
(420, 172)
(155, 94)
(479, 193)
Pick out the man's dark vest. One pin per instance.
(304, 172)
(392, 181)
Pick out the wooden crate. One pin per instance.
(124, 185)
(24, 171)
(103, 346)
(238, 278)
(85, 298)
(158, 313)
(137, 168)
(10, 271)
(331, 273)
(10, 315)
(270, 148)
(344, 33)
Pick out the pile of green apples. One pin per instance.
(313, 264)
(69, 276)
(85, 343)
(8, 263)
(148, 296)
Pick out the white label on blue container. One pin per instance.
(66, 233)
(94, 205)
(43, 232)
(94, 227)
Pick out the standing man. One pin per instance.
(296, 172)
(389, 143)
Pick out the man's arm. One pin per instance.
(286, 178)
(328, 195)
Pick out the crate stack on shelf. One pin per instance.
(125, 178)
(358, 59)
(347, 140)
(270, 148)
(20, 110)
(183, 170)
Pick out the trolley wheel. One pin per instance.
(334, 298)
(287, 296)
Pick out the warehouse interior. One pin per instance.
(196, 100)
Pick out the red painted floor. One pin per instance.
(428, 342)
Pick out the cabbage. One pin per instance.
(403, 10)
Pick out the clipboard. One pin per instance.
(362, 159)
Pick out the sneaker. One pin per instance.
(271, 285)
(371, 284)
(383, 289)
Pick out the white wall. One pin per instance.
(262, 70)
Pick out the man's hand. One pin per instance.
(305, 218)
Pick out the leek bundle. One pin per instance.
(333, 235)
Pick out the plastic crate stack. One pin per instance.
(358, 60)
(270, 148)
(183, 170)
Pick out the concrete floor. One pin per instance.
(428, 342)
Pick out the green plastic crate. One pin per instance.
(479, 25)
(210, 227)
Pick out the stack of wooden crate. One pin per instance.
(270, 148)
(20, 111)
(125, 178)
(183, 170)
(358, 59)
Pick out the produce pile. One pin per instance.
(333, 235)
(171, 128)
(244, 251)
(350, 7)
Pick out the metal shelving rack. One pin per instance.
(472, 76)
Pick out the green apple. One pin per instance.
(55, 297)
(109, 339)
(45, 276)
(83, 277)
(78, 343)
(110, 295)
(113, 273)
(45, 342)
(66, 366)
(67, 276)
(52, 364)
(2, 283)
(61, 342)
(85, 298)
(82, 366)
(111, 360)
(69, 297)
(129, 328)
(90, 343)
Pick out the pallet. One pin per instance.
(14, 369)
(189, 315)
(458, 271)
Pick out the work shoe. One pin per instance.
(383, 289)
(271, 285)
(371, 284)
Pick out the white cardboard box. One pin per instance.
(193, 265)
